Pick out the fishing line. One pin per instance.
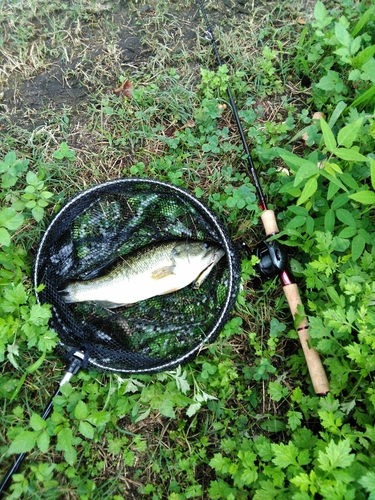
(273, 257)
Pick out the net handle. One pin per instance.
(73, 368)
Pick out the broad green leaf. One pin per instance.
(37, 423)
(39, 315)
(336, 456)
(64, 439)
(277, 391)
(297, 221)
(328, 168)
(299, 210)
(362, 57)
(248, 476)
(333, 180)
(358, 245)
(336, 114)
(348, 134)
(365, 197)
(349, 180)
(293, 161)
(10, 219)
(70, 455)
(81, 411)
(31, 178)
(15, 295)
(37, 213)
(4, 237)
(329, 138)
(220, 463)
(329, 220)
(46, 194)
(331, 81)
(289, 188)
(308, 191)
(43, 442)
(332, 168)
(64, 148)
(263, 447)
(354, 75)
(302, 481)
(348, 232)
(320, 12)
(294, 421)
(368, 70)
(23, 442)
(355, 45)
(166, 408)
(368, 482)
(32, 368)
(340, 244)
(99, 418)
(346, 217)
(342, 35)
(368, 237)
(193, 409)
(10, 159)
(86, 429)
(349, 154)
(285, 454)
(332, 190)
(306, 171)
(339, 300)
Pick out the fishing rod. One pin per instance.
(273, 257)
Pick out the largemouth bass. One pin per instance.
(153, 270)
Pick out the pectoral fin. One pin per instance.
(197, 283)
(162, 272)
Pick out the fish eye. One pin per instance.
(207, 245)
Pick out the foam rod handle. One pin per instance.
(317, 374)
(269, 222)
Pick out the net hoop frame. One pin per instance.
(232, 263)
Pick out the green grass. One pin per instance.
(242, 419)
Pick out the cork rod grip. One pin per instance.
(269, 222)
(314, 364)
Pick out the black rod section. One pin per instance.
(17, 464)
(210, 37)
(75, 364)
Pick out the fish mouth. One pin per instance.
(213, 250)
(217, 255)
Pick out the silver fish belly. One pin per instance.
(153, 270)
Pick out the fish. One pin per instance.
(156, 269)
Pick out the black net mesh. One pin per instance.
(107, 222)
